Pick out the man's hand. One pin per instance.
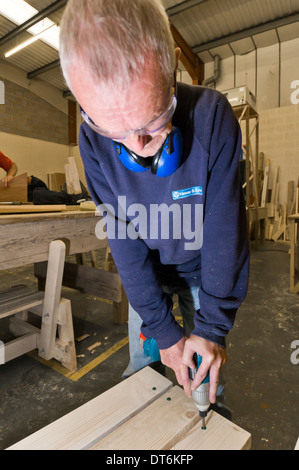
(7, 180)
(179, 357)
(172, 357)
(213, 358)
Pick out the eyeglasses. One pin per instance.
(151, 128)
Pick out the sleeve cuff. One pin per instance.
(210, 336)
(168, 336)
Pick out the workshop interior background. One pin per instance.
(246, 48)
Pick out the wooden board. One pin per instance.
(142, 412)
(220, 434)
(12, 306)
(265, 183)
(25, 238)
(17, 191)
(33, 217)
(86, 425)
(88, 280)
(159, 426)
(72, 177)
(56, 181)
(27, 208)
(88, 206)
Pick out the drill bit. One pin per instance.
(203, 415)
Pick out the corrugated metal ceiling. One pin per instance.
(225, 27)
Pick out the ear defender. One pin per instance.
(166, 161)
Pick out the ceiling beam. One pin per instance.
(185, 5)
(190, 60)
(33, 20)
(45, 68)
(246, 33)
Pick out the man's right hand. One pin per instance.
(172, 357)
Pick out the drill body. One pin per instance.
(200, 396)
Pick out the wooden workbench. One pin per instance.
(27, 238)
(143, 412)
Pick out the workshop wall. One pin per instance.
(26, 114)
(272, 74)
(36, 138)
(38, 157)
(278, 140)
(268, 72)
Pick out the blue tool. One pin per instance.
(150, 347)
(201, 394)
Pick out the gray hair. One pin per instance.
(114, 39)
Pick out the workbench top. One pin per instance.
(25, 238)
(72, 212)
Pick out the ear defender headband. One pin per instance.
(166, 161)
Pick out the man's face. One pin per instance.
(117, 112)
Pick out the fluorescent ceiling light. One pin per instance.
(29, 41)
(19, 11)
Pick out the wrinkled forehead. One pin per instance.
(148, 94)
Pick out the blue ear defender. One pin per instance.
(166, 161)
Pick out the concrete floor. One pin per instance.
(262, 382)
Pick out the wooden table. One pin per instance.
(143, 412)
(45, 239)
(293, 220)
(25, 238)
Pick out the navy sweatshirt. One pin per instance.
(213, 255)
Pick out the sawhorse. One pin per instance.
(55, 337)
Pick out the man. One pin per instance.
(146, 143)
(10, 167)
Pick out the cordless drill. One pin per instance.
(201, 394)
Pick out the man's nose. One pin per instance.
(137, 142)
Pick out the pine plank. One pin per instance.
(13, 292)
(220, 434)
(20, 346)
(98, 282)
(25, 238)
(16, 191)
(28, 208)
(72, 177)
(29, 300)
(275, 186)
(52, 298)
(55, 181)
(265, 183)
(85, 426)
(159, 426)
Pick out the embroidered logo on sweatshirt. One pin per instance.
(181, 193)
